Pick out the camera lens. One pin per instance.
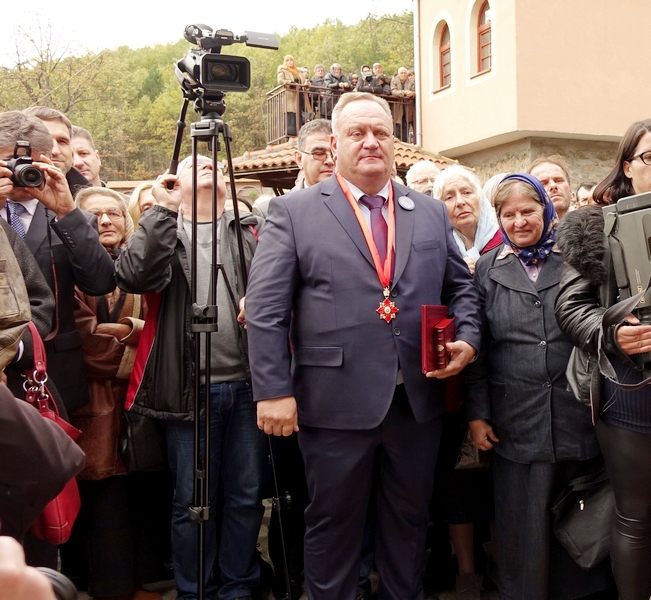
(27, 176)
(222, 72)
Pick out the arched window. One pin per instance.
(445, 58)
(484, 52)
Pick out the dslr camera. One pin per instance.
(23, 171)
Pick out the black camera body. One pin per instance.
(23, 171)
(628, 227)
(208, 73)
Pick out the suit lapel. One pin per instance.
(404, 231)
(510, 273)
(37, 232)
(336, 201)
(338, 204)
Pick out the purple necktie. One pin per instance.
(379, 227)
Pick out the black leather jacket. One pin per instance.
(586, 290)
(156, 260)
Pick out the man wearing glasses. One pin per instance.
(313, 156)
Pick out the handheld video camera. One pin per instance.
(24, 173)
(627, 225)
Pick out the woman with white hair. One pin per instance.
(471, 214)
(468, 494)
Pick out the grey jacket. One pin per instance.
(156, 260)
(518, 382)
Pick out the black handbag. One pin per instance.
(141, 443)
(583, 518)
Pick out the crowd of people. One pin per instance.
(365, 442)
(316, 96)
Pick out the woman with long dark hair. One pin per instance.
(623, 418)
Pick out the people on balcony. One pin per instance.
(318, 95)
(335, 80)
(367, 82)
(292, 79)
(403, 112)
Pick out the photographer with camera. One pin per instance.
(368, 83)
(156, 260)
(623, 417)
(65, 244)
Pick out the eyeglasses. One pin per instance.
(319, 154)
(645, 157)
(114, 215)
(424, 180)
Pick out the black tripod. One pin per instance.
(204, 317)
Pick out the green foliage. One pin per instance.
(152, 86)
(130, 99)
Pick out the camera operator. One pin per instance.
(156, 260)
(623, 420)
(368, 83)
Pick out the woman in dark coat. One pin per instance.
(623, 418)
(519, 403)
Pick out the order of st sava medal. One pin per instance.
(387, 309)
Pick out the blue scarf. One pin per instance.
(531, 255)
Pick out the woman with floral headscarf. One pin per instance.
(519, 404)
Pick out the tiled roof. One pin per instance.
(275, 165)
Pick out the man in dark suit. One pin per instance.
(355, 385)
(62, 239)
(66, 247)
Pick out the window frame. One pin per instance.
(445, 52)
(482, 30)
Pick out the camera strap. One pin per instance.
(55, 329)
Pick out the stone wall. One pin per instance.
(587, 160)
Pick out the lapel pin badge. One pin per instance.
(406, 203)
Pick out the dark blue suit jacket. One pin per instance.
(313, 278)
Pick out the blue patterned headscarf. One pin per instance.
(539, 251)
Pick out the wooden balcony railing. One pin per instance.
(290, 106)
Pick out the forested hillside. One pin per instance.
(130, 99)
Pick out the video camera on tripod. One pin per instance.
(205, 76)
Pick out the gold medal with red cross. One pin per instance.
(387, 309)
